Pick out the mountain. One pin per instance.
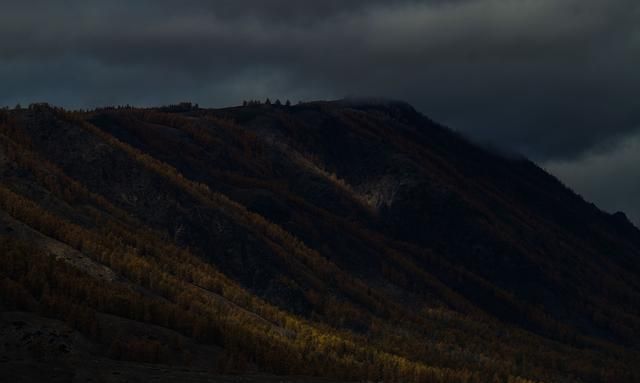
(348, 240)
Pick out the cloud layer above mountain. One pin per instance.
(553, 79)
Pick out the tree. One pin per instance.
(267, 101)
(278, 103)
(288, 103)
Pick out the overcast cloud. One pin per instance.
(557, 80)
(608, 179)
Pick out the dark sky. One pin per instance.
(556, 80)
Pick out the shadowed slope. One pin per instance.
(348, 239)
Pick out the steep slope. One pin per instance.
(348, 239)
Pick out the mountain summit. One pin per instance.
(349, 240)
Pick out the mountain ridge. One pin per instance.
(361, 222)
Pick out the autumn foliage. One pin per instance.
(349, 327)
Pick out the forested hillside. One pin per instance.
(348, 240)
